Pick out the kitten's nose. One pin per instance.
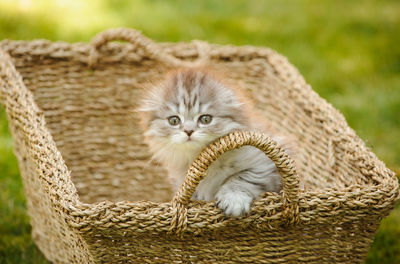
(188, 132)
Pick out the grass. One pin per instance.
(347, 50)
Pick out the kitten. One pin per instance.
(191, 109)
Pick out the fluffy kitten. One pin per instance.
(191, 109)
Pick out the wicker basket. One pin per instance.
(94, 196)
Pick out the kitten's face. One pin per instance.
(191, 109)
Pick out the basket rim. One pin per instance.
(80, 51)
(386, 184)
(136, 215)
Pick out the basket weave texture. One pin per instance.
(94, 195)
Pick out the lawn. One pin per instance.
(349, 51)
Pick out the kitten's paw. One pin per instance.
(234, 203)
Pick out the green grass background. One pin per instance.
(349, 51)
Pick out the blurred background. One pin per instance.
(349, 51)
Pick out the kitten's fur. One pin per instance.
(238, 176)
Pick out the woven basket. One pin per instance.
(94, 195)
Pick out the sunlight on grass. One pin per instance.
(69, 19)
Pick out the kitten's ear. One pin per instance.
(145, 106)
(150, 99)
(227, 96)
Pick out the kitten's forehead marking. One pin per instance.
(192, 94)
(188, 92)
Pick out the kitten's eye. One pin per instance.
(174, 120)
(205, 119)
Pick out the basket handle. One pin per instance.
(151, 48)
(212, 152)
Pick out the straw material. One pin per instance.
(94, 195)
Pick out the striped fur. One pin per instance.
(238, 176)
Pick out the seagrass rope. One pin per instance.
(50, 174)
(152, 50)
(79, 115)
(32, 125)
(212, 152)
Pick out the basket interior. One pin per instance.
(90, 116)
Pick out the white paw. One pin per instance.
(234, 203)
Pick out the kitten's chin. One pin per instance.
(167, 148)
(190, 144)
(176, 155)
